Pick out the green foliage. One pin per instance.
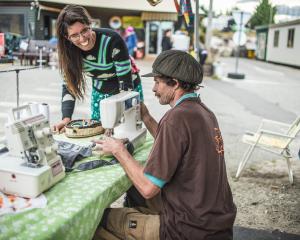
(263, 15)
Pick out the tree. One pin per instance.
(264, 14)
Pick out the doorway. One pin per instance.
(154, 35)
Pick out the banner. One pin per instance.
(133, 21)
(2, 44)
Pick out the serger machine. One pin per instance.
(120, 114)
(32, 165)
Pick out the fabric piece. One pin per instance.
(177, 64)
(75, 204)
(70, 153)
(185, 96)
(188, 154)
(156, 181)
(10, 204)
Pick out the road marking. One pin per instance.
(226, 79)
(268, 71)
(8, 104)
(56, 84)
(41, 97)
(48, 90)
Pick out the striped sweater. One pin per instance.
(107, 63)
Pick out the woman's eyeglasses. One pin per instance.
(84, 33)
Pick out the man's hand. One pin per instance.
(110, 145)
(60, 127)
(144, 111)
(148, 120)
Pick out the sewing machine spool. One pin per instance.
(82, 128)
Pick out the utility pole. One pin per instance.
(196, 32)
(209, 23)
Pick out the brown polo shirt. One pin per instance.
(188, 154)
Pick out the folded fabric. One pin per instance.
(12, 204)
(70, 153)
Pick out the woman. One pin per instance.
(99, 53)
(131, 40)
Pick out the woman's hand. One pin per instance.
(60, 127)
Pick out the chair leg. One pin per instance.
(290, 171)
(244, 161)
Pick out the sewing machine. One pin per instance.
(120, 114)
(32, 165)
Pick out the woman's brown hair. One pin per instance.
(69, 56)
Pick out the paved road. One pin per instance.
(269, 91)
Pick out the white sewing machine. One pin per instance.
(32, 165)
(121, 114)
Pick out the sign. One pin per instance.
(2, 44)
(241, 18)
(115, 22)
(134, 21)
(242, 40)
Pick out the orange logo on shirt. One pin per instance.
(219, 142)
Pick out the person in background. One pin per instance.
(202, 53)
(131, 40)
(95, 52)
(182, 191)
(166, 43)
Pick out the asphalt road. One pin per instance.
(268, 91)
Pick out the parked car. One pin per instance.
(12, 42)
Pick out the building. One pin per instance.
(279, 43)
(36, 19)
(284, 43)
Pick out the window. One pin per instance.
(12, 23)
(290, 41)
(276, 38)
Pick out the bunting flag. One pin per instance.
(177, 8)
(185, 9)
(189, 13)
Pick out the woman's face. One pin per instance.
(81, 36)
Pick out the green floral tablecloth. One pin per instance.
(75, 205)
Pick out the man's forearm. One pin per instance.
(136, 174)
(150, 124)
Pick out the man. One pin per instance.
(166, 43)
(186, 166)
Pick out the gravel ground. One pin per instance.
(265, 199)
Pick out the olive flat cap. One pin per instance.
(177, 64)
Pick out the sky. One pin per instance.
(245, 5)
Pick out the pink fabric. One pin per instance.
(134, 68)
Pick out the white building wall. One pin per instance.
(283, 54)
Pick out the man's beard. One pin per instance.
(166, 98)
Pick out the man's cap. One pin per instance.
(177, 64)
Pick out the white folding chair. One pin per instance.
(274, 137)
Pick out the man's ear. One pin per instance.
(177, 84)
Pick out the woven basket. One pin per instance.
(82, 128)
